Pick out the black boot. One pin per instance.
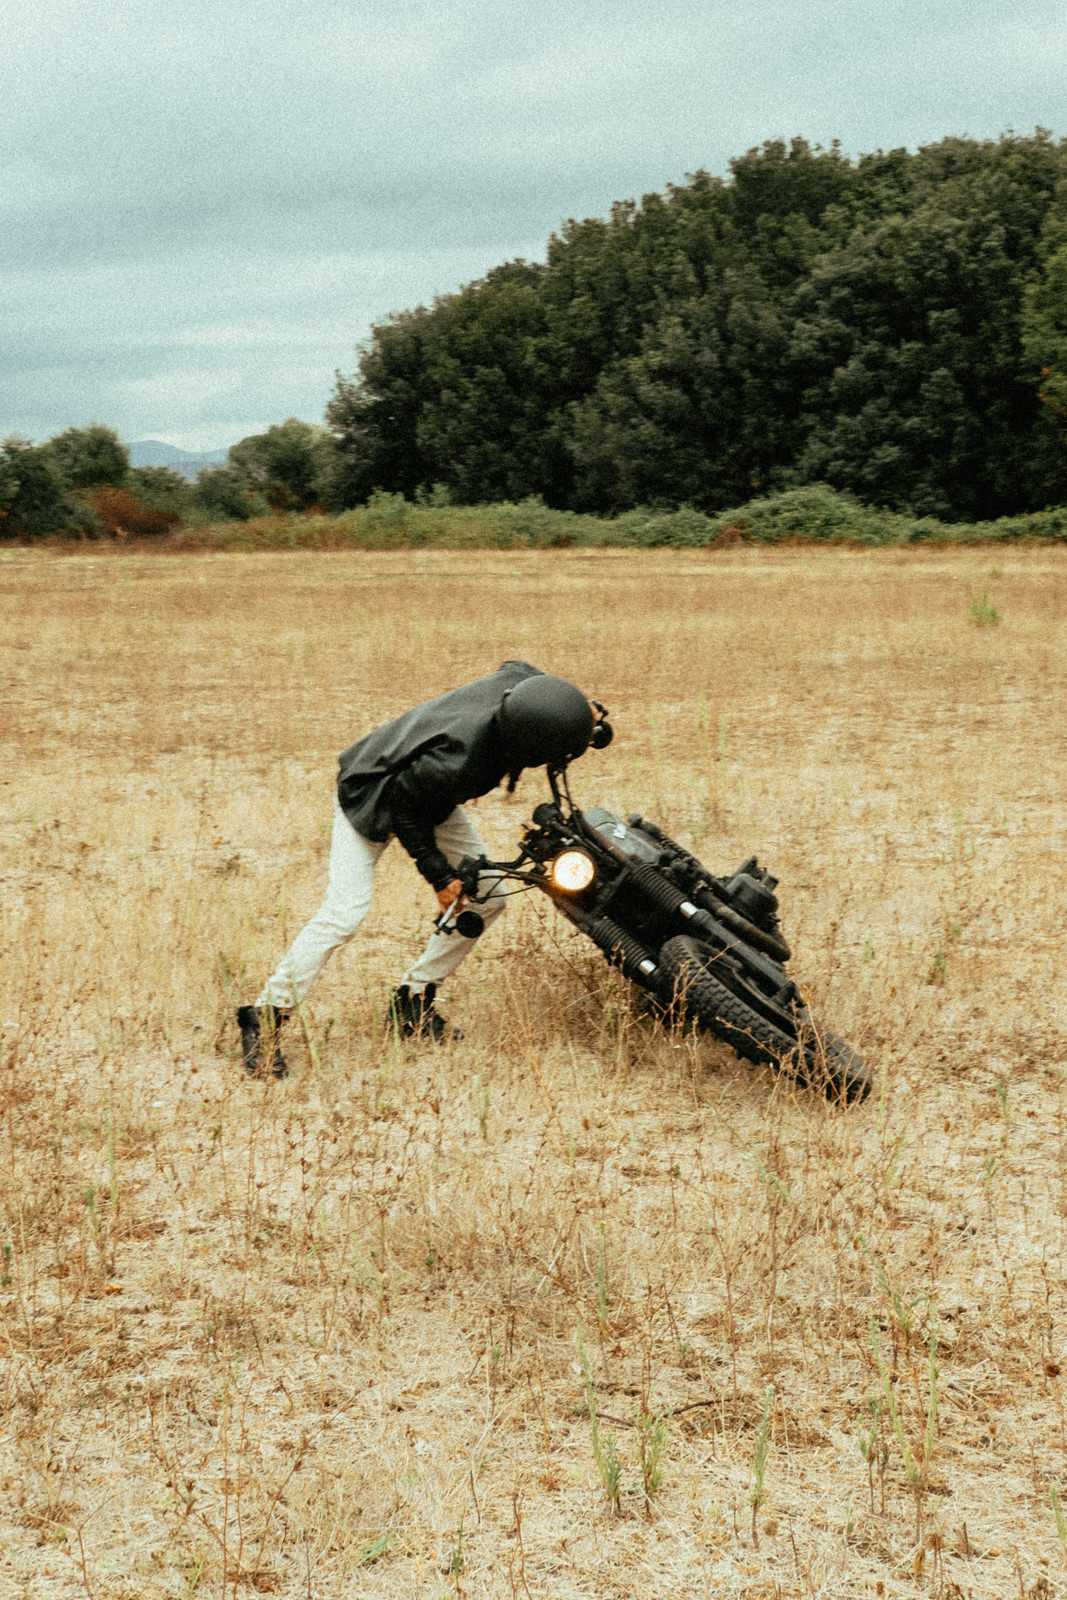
(261, 1048)
(414, 1016)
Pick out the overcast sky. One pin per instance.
(204, 207)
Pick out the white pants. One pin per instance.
(348, 896)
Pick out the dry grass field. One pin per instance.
(577, 1308)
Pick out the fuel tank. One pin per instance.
(631, 841)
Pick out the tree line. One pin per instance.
(893, 326)
(81, 483)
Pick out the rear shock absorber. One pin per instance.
(672, 903)
(715, 895)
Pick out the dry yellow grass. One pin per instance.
(319, 1339)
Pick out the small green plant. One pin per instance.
(937, 972)
(1000, 1089)
(873, 1447)
(455, 1560)
(605, 1451)
(916, 1461)
(437, 495)
(388, 521)
(902, 1310)
(982, 612)
(652, 1440)
(373, 1551)
(192, 1570)
(759, 1459)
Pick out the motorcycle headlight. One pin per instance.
(573, 871)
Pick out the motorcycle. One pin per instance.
(707, 951)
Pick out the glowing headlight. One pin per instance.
(573, 871)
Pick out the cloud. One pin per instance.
(203, 210)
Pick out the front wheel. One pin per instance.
(705, 996)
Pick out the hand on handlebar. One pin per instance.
(451, 896)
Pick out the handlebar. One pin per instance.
(471, 869)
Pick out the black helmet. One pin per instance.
(544, 721)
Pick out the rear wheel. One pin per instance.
(711, 995)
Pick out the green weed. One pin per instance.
(759, 1459)
(652, 1433)
(605, 1451)
(916, 1457)
(982, 612)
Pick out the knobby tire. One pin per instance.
(820, 1059)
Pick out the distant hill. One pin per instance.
(190, 463)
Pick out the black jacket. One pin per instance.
(407, 776)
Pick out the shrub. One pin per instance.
(816, 513)
(222, 492)
(390, 520)
(982, 612)
(649, 528)
(162, 489)
(123, 516)
(530, 522)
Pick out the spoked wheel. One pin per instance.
(713, 995)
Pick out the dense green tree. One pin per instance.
(1046, 332)
(457, 395)
(285, 465)
(34, 501)
(88, 457)
(482, 429)
(886, 324)
(906, 340)
(162, 489)
(1045, 318)
(674, 423)
(225, 494)
(777, 182)
(9, 476)
(375, 419)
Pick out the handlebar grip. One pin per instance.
(469, 871)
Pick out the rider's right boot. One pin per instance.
(261, 1050)
(414, 1016)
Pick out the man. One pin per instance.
(410, 779)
